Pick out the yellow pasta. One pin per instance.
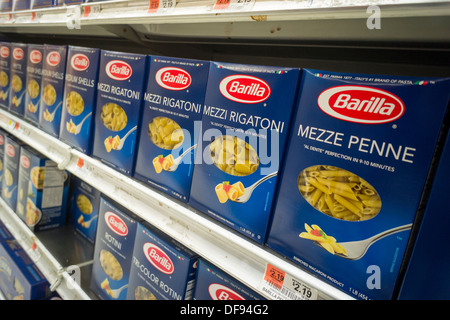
(4, 79)
(161, 163)
(105, 286)
(84, 204)
(113, 117)
(316, 234)
(16, 83)
(225, 191)
(33, 89)
(71, 127)
(49, 95)
(110, 265)
(339, 193)
(233, 156)
(141, 293)
(74, 103)
(165, 133)
(112, 143)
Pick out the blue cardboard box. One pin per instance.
(117, 117)
(37, 4)
(113, 252)
(11, 170)
(245, 125)
(52, 88)
(18, 5)
(173, 107)
(18, 75)
(161, 268)
(6, 5)
(84, 206)
(20, 279)
(354, 171)
(33, 82)
(42, 191)
(5, 70)
(80, 94)
(212, 283)
(429, 251)
(2, 153)
(5, 234)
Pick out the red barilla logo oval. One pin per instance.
(4, 52)
(158, 258)
(35, 56)
(221, 292)
(10, 150)
(361, 104)
(172, 78)
(244, 89)
(53, 58)
(18, 53)
(25, 162)
(116, 224)
(2, 140)
(79, 62)
(118, 70)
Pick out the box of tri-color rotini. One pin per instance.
(245, 124)
(5, 70)
(18, 88)
(52, 88)
(80, 93)
(356, 167)
(118, 111)
(33, 83)
(173, 106)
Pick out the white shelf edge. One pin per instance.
(236, 255)
(44, 260)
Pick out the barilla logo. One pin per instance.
(2, 140)
(221, 292)
(25, 162)
(4, 52)
(53, 58)
(116, 224)
(35, 56)
(361, 104)
(10, 150)
(79, 62)
(244, 89)
(18, 53)
(158, 258)
(118, 70)
(172, 78)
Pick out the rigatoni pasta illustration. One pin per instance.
(225, 191)
(161, 163)
(339, 193)
(233, 155)
(165, 133)
(316, 234)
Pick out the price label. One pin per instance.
(161, 6)
(282, 286)
(233, 5)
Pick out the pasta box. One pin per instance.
(18, 5)
(5, 70)
(20, 278)
(6, 5)
(18, 75)
(173, 105)
(52, 88)
(84, 206)
(36, 4)
(428, 251)
(245, 124)
(354, 176)
(42, 191)
(3, 135)
(113, 251)
(33, 82)
(119, 96)
(80, 89)
(212, 283)
(161, 268)
(5, 234)
(11, 170)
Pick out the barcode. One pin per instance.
(285, 292)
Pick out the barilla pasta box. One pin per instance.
(212, 283)
(161, 268)
(36, 4)
(6, 5)
(113, 252)
(84, 206)
(42, 191)
(5, 70)
(11, 170)
(245, 124)
(173, 106)
(354, 176)
(33, 83)
(5, 234)
(18, 75)
(119, 96)
(18, 5)
(428, 253)
(52, 88)
(20, 278)
(3, 135)
(77, 119)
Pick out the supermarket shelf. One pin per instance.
(56, 274)
(238, 256)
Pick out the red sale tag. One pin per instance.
(80, 163)
(274, 276)
(222, 4)
(154, 5)
(87, 11)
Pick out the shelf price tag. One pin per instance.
(233, 5)
(161, 6)
(282, 286)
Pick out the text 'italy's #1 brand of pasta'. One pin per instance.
(354, 170)
(245, 123)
